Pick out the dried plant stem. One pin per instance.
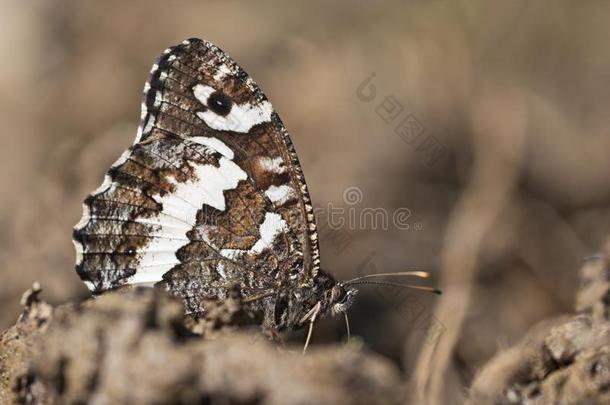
(499, 129)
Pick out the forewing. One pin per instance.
(211, 194)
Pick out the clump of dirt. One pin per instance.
(136, 346)
(561, 361)
(17, 346)
(133, 346)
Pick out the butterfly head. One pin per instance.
(341, 298)
(328, 296)
(338, 296)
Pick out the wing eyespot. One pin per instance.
(220, 103)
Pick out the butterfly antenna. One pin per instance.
(420, 274)
(390, 284)
(347, 327)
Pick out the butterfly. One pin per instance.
(210, 198)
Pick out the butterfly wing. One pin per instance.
(209, 196)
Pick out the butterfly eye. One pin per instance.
(337, 293)
(219, 103)
(344, 299)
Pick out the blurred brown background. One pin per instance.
(506, 179)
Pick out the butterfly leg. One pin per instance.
(312, 315)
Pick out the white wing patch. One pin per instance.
(215, 144)
(273, 165)
(279, 195)
(269, 229)
(207, 188)
(241, 118)
(222, 72)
